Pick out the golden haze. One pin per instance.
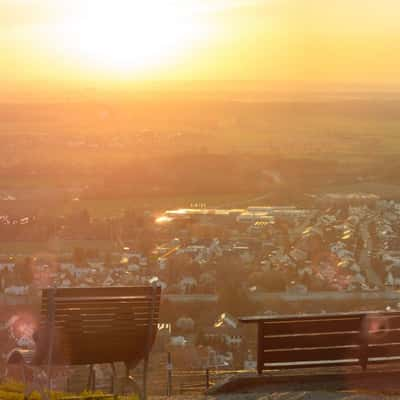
(110, 43)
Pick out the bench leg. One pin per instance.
(40, 382)
(130, 384)
(91, 385)
(28, 377)
(27, 384)
(34, 379)
(113, 379)
(145, 369)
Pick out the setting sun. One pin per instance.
(54, 44)
(128, 36)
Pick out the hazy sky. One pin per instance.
(116, 42)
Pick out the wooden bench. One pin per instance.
(91, 397)
(86, 326)
(322, 340)
(186, 388)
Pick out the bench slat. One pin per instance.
(123, 308)
(319, 316)
(88, 317)
(384, 336)
(134, 322)
(104, 291)
(310, 340)
(93, 314)
(383, 322)
(105, 300)
(100, 304)
(311, 326)
(312, 354)
(385, 350)
(70, 330)
(310, 364)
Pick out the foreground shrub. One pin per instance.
(12, 390)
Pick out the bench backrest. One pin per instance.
(97, 325)
(327, 339)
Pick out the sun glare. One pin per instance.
(131, 35)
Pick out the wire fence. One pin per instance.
(188, 381)
(161, 382)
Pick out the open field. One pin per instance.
(364, 125)
(54, 247)
(155, 154)
(116, 207)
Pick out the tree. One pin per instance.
(79, 256)
(271, 281)
(24, 271)
(107, 260)
(84, 217)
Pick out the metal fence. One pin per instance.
(161, 382)
(180, 381)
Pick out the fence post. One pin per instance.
(169, 375)
(88, 385)
(364, 330)
(112, 384)
(94, 381)
(51, 315)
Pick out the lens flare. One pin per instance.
(21, 328)
(163, 219)
(375, 327)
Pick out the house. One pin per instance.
(227, 320)
(187, 284)
(178, 341)
(218, 360)
(7, 267)
(228, 336)
(162, 263)
(298, 255)
(226, 331)
(16, 290)
(133, 267)
(185, 324)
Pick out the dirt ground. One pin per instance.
(292, 395)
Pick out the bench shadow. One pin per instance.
(376, 380)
